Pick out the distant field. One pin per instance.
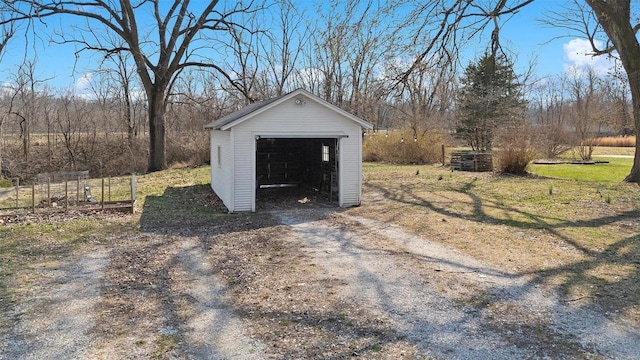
(613, 150)
(628, 141)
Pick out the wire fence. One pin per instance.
(65, 190)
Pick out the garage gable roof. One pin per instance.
(254, 109)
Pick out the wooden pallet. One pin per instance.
(471, 161)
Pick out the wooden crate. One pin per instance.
(471, 161)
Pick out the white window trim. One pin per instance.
(325, 153)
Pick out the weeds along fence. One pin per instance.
(68, 190)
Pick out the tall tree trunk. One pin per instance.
(634, 82)
(157, 132)
(615, 18)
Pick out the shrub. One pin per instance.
(553, 140)
(517, 150)
(403, 147)
(187, 150)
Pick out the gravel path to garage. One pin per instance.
(450, 305)
(57, 317)
(311, 283)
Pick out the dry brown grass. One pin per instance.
(615, 141)
(403, 147)
(579, 237)
(560, 234)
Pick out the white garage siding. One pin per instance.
(221, 171)
(244, 188)
(298, 114)
(311, 120)
(351, 169)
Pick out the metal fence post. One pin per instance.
(17, 190)
(48, 191)
(77, 189)
(102, 197)
(134, 186)
(66, 195)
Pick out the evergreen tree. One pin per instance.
(490, 97)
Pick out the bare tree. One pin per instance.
(244, 58)
(24, 104)
(347, 55)
(70, 115)
(615, 21)
(618, 95)
(587, 110)
(7, 29)
(120, 91)
(178, 40)
(425, 99)
(549, 105)
(445, 24)
(284, 45)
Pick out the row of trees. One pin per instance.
(166, 63)
(567, 111)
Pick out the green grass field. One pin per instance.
(615, 171)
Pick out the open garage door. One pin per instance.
(291, 168)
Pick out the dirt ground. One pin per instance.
(310, 282)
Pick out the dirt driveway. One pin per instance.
(450, 306)
(314, 283)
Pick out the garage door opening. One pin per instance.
(299, 171)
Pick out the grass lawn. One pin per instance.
(581, 236)
(615, 171)
(611, 150)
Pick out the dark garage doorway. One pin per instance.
(296, 171)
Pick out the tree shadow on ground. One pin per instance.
(607, 278)
(187, 214)
(180, 207)
(231, 243)
(222, 236)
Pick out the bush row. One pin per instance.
(100, 155)
(517, 147)
(403, 147)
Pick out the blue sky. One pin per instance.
(553, 50)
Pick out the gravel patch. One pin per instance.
(453, 306)
(213, 332)
(55, 322)
(309, 283)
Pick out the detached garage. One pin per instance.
(291, 141)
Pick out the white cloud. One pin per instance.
(7, 88)
(578, 57)
(310, 75)
(82, 86)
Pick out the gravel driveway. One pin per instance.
(179, 293)
(420, 285)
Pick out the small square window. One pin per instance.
(325, 153)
